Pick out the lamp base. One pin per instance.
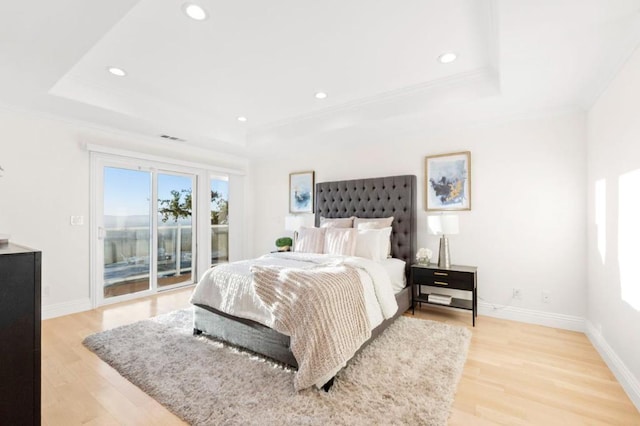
(444, 260)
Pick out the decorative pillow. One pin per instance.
(346, 222)
(340, 241)
(375, 223)
(372, 223)
(310, 240)
(373, 243)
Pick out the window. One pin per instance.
(219, 219)
(142, 246)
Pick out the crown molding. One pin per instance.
(230, 154)
(462, 88)
(167, 117)
(457, 80)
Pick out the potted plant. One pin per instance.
(284, 243)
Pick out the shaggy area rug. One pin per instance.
(408, 375)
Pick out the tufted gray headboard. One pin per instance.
(377, 197)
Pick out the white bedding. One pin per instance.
(396, 270)
(228, 287)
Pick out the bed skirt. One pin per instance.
(263, 340)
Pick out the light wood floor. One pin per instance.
(516, 374)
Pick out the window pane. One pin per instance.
(175, 248)
(127, 240)
(219, 220)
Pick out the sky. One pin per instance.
(127, 192)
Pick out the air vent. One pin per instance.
(172, 138)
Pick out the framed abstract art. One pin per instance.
(301, 187)
(448, 181)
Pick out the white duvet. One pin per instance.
(228, 287)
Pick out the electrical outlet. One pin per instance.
(46, 291)
(517, 294)
(546, 296)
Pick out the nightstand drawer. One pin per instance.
(443, 278)
(453, 284)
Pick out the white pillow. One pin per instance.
(346, 222)
(372, 222)
(340, 241)
(310, 240)
(375, 223)
(373, 243)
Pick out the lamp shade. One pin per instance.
(443, 224)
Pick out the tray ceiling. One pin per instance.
(266, 60)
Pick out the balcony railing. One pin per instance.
(126, 251)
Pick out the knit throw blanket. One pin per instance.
(323, 312)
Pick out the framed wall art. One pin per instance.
(448, 181)
(301, 188)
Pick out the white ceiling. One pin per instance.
(265, 60)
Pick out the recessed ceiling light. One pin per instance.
(242, 118)
(194, 11)
(117, 71)
(321, 95)
(447, 58)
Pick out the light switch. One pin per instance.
(77, 220)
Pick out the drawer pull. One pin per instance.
(440, 283)
(444, 274)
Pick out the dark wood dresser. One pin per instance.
(19, 335)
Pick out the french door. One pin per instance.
(146, 238)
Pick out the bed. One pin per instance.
(364, 198)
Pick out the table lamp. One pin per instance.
(293, 223)
(443, 225)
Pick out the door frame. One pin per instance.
(194, 228)
(100, 159)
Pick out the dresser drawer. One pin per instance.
(443, 278)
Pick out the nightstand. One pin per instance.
(457, 277)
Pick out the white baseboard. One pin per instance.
(549, 319)
(629, 382)
(66, 308)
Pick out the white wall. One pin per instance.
(46, 180)
(525, 229)
(527, 225)
(614, 276)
